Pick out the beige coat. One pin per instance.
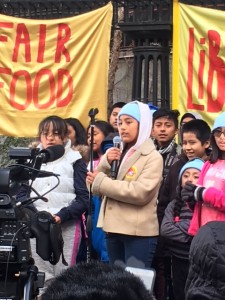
(129, 202)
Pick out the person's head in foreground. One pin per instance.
(96, 281)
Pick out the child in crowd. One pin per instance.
(101, 130)
(69, 200)
(113, 114)
(189, 116)
(165, 128)
(196, 143)
(128, 209)
(77, 135)
(175, 226)
(206, 276)
(97, 281)
(209, 195)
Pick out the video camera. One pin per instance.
(19, 221)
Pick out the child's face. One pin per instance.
(190, 175)
(193, 147)
(128, 129)
(51, 137)
(113, 117)
(98, 137)
(164, 131)
(219, 136)
(71, 134)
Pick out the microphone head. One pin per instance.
(93, 112)
(116, 140)
(53, 153)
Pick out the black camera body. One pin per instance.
(14, 233)
(19, 223)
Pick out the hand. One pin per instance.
(113, 154)
(57, 219)
(91, 176)
(199, 193)
(187, 192)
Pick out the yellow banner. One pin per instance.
(53, 67)
(198, 60)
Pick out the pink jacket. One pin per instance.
(212, 208)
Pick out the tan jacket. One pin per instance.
(129, 205)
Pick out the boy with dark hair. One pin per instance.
(113, 113)
(195, 137)
(165, 128)
(96, 281)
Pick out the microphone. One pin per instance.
(93, 112)
(114, 166)
(51, 153)
(46, 155)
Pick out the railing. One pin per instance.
(134, 11)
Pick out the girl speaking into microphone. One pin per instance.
(128, 208)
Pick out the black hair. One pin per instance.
(119, 104)
(59, 125)
(199, 127)
(96, 281)
(106, 129)
(216, 153)
(81, 138)
(187, 115)
(104, 126)
(169, 114)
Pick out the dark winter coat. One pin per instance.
(206, 278)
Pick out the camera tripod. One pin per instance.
(20, 281)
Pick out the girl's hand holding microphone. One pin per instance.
(113, 154)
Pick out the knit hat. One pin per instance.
(219, 121)
(131, 109)
(195, 163)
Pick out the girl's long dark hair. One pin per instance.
(81, 138)
(105, 128)
(216, 153)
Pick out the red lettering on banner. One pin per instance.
(190, 104)
(63, 83)
(201, 70)
(41, 44)
(3, 38)
(216, 66)
(12, 101)
(60, 88)
(64, 34)
(37, 81)
(22, 37)
(61, 74)
(216, 73)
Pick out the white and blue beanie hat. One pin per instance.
(195, 163)
(219, 121)
(131, 109)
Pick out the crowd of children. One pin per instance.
(169, 183)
